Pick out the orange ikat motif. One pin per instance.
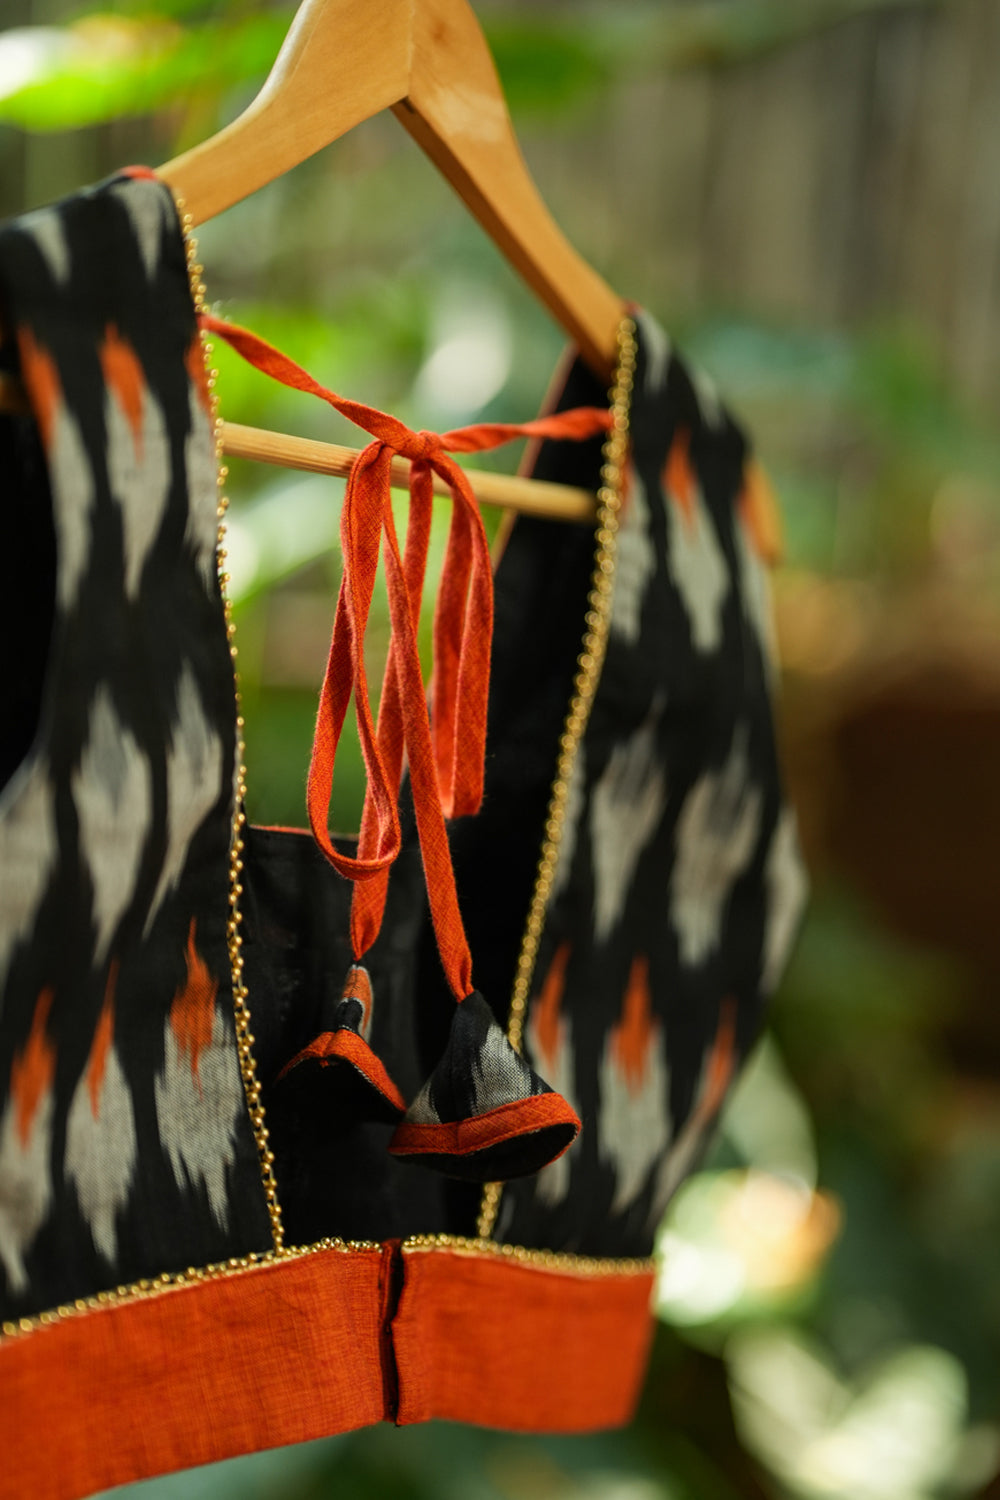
(101, 1045)
(636, 1032)
(549, 1038)
(25, 1144)
(123, 375)
(547, 1027)
(696, 561)
(758, 510)
(677, 477)
(192, 1014)
(635, 1087)
(137, 448)
(33, 1069)
(41, 379)
(199, 1090)
(100, 1132)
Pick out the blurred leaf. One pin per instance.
(192, 10)
(892, 1434)
(127, 59)
(688, 34)
(750, 356)
(716, 32)
(104, 66)
(547, 68)
(901, 390)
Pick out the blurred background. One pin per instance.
(807, 194)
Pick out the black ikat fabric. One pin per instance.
(679, 884)
(125, 1144)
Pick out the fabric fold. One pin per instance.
(484, 1115)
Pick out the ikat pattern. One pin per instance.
(717, 833)
(113, 794)
(100, 1135)
(28, 852)
(125, 1143)
(25, 1146)
(550, 1040)
(695, 562)
(126, 1148)
(634, 1085)
(626, 805)
(199, 1091)
(194, 782)
(679, 885)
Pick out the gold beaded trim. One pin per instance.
(588, 673)
(542, 1260)
(241, 1008)
(139, 1291)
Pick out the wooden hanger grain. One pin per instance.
(532, 497)
(427, 60)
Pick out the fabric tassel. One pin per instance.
(347, 1041)
(484, 1115)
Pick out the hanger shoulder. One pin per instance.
(340, 63)
(456, 111)
(343, 62)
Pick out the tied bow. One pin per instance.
(466, 1120)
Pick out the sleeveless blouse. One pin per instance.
(212, 1235)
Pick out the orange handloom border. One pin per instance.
(314, 1344)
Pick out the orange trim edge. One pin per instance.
(301, 1347)
(504, 1123)
(344, 1045)
(509, 1345)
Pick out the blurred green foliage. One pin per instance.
(128, 57)
(107, 66)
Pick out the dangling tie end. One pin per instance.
(484, 1115)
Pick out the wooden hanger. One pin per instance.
(426, 60)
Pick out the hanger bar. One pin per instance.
(530, 497)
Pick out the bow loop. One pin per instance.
(445, 748)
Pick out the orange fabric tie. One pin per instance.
(445, 749)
